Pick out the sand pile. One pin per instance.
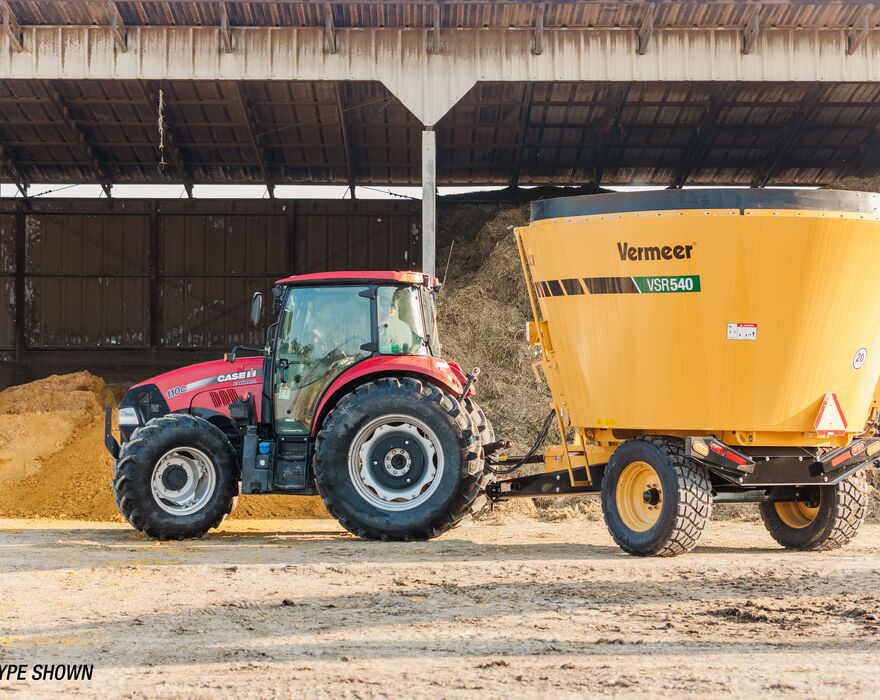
(39, 419)
(53, 463)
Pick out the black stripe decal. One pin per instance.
(611, 285)
(572, 286)
(555, 288)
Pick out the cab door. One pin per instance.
(322, 332)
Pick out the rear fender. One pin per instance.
(446, 376)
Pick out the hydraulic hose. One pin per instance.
(542, 436)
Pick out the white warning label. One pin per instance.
(742, 331)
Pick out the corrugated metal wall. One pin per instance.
(7, 281)
(178, 275)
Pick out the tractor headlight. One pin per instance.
(128, 416)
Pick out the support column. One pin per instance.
(429, 200)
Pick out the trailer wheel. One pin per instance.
(176, 478)
(656, 501)
(397, 459)
(829, 520)
(483, 429)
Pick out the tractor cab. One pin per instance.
(328, 323)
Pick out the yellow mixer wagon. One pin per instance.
(707, 346)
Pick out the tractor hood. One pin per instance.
(179, 386)
(203, 389)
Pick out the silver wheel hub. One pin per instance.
(394, 463)
(183, 481)
(397, 461)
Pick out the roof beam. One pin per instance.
(857, 34)
(117, 26)
(73, 124)
(256, 141)
(792, 130)
(225, 31)
(698, 143)
(525, 116)
(750, 34)
(346, 137)
(11, 28)
(538, 38)
(177, 158)
(612, 124)
(646, 30)
(435, 32)
(329, 28)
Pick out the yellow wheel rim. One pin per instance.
(639, 496)
(796, 514)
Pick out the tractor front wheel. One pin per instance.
(656, 501)
(829, 518)
(176, 478)
(397, 459)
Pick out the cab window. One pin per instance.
(321, 334)
(401, 327)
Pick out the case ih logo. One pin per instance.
(666, 252)
(235, 376)
(248, 374)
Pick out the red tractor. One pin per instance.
(349, 399)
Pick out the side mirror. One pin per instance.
(257, 308)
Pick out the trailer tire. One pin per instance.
(362, 460)
(139, 486)
(831, 523)
(486, 433)
(656, 501)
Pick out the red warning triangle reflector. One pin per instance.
(830, 420)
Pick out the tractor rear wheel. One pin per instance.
(828, 520)
(656, 501)
(397, 459)
(176, 478)
(486, 433)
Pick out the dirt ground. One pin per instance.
(524, 609)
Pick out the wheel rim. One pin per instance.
(395, 464)
(183, 481)
(639, 496)
(796, 514)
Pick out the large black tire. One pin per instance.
(482, 426)
(830, 521)
(140, 458)
(357, 505)
(486, 433)
(656, 501)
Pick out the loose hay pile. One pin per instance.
(483, 310)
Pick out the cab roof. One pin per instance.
(341, 276)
